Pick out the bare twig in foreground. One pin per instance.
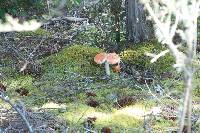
(16, 108)
(168, 16)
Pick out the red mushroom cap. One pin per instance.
(113, 58)
(100, 58)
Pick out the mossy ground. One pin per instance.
(136, 55)
(66, 77)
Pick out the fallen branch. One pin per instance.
(21, 112)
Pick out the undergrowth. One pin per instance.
(68, 76)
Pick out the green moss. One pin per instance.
(161, 124)
(136, 56)
(77, 113)
(119, 120)
(17, 82)
(39, 33)
(20, 81)
(8, 71)
(63, 72)
(78, 58)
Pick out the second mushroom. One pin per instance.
(110, 58)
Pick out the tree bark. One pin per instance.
(117, 28)
(116, 8)
(137, 28)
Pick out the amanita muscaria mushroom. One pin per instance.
(111, 58)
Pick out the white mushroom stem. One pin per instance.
(107, 68)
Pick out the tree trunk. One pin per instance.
(117, 28)
(138, 29)
(116, 8)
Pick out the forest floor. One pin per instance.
(77, 91)
(118, 102)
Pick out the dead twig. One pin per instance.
(21, 112)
